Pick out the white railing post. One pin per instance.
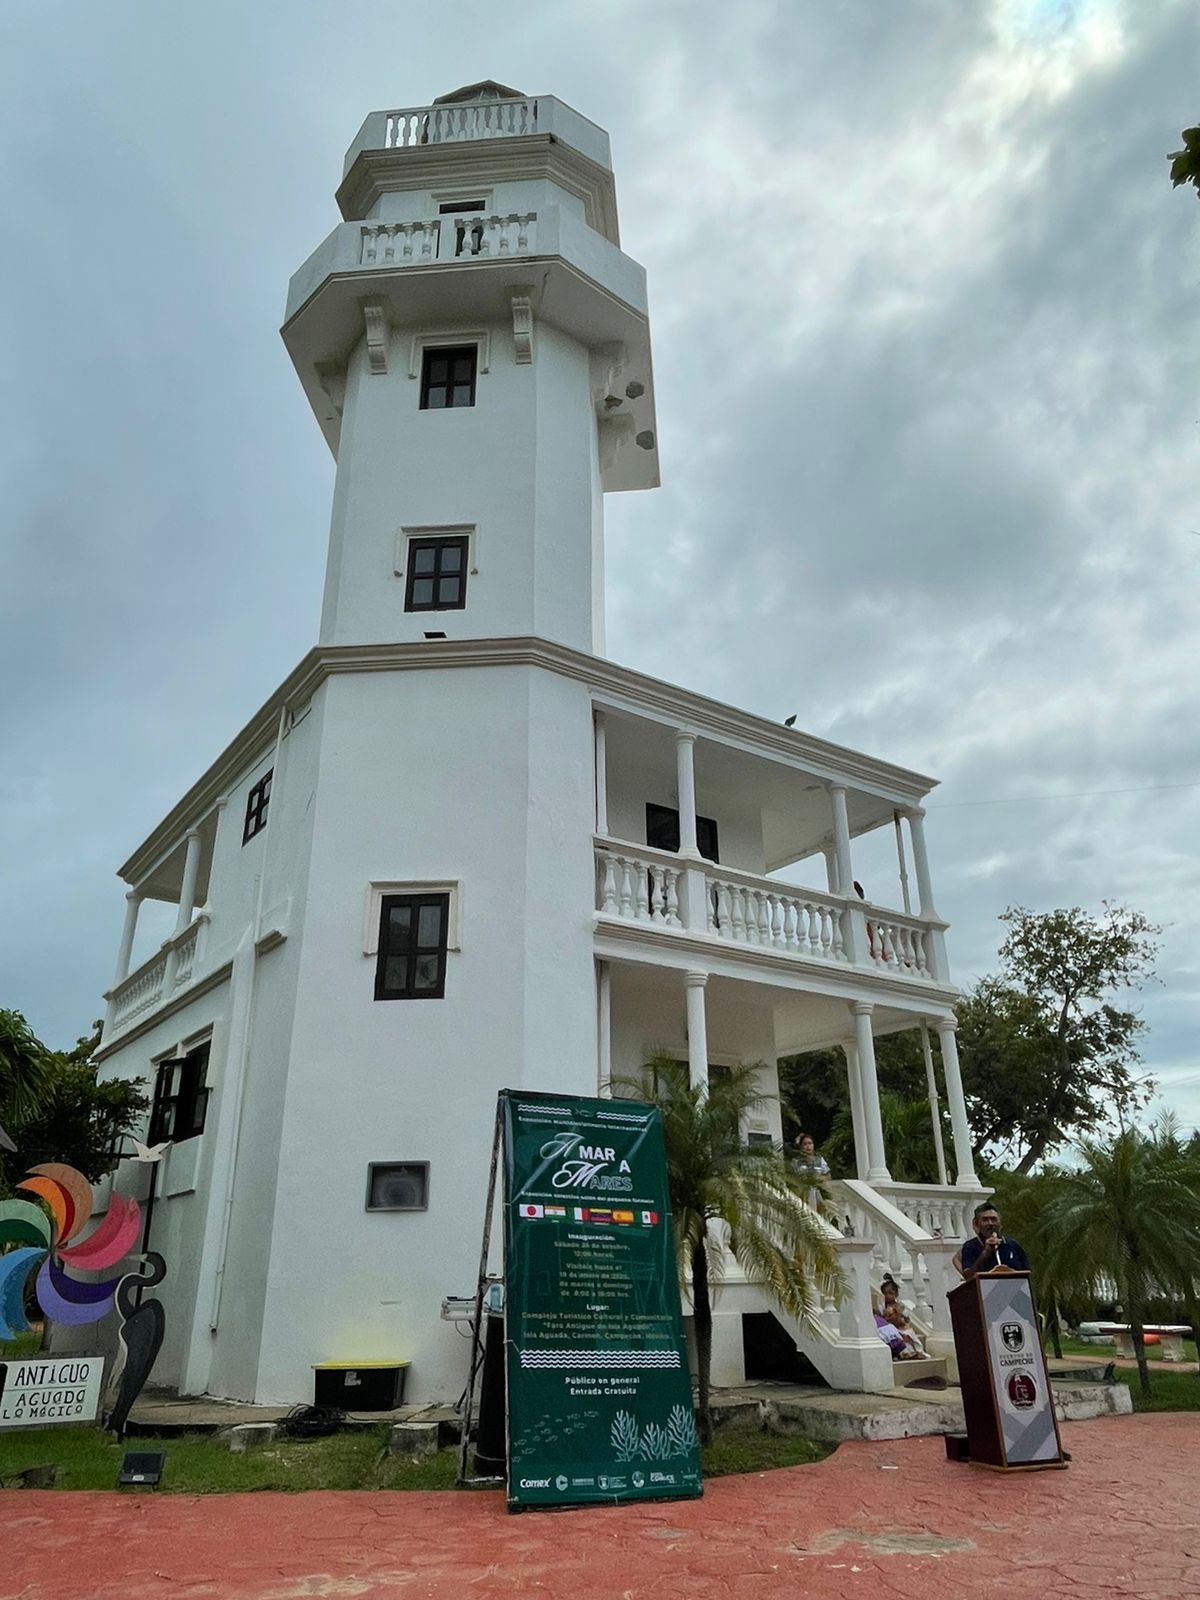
(697, 1030)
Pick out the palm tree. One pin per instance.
(24, 1071)
(1131, 1213)
(728, 1197)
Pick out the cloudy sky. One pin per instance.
(924, 309)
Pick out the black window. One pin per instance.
(436, 579)
(448, 377)
(412, 947)
(180, 1097)
(257, 802)
(662, 831)
(398, 1186)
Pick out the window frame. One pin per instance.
(707, 838)
(374, 1166)
(451, 353)
(436, 542)
(414, 950)
(258, 803)
(193, 1095)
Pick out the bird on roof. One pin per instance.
(790, 722)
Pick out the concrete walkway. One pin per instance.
(872, 1520)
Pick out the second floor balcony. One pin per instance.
(654, 889)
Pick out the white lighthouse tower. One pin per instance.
(458, 849)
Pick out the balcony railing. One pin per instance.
(156, 980)
(454, 238)
(476, 119)
(637, 884)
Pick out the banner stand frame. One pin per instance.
(464, 1480)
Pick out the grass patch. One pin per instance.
(86, 1458)
(1169, 1391)
(199, 1464)
(25, 1344)
(743, 1450)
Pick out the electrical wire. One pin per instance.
(1077, 794)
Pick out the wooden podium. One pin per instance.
(1009, 1407)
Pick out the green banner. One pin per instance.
(599, 1396)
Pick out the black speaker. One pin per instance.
(957, 1447)
(143, 1467)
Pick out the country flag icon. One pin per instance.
(649, 1219)
(533, 1211)
(622, 1216)
(555, 1211)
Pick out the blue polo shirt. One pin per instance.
(1009, 1254)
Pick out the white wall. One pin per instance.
(520, 466)
(482, 776)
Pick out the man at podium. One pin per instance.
(989, 1248)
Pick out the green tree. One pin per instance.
(730, 1198)
(1185, 163)
(72, 1117)
(1077, 1056)
(907, 1138)
(23, 1068)
(1131, 1212)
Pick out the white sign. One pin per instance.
(55, 1390)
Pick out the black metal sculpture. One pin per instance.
(140, 1337)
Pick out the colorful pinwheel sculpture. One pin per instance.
(45, 1248)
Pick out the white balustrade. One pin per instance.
(494, 236)
(898, 1240)
(399, 243)
(774, 918)
(141, 990)
(479, 119)
(944, 1213)
(899, 943)
(156, 980)
(638, 886)
(403, 244)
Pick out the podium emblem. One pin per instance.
(1022, 1391)
(1013, 1335)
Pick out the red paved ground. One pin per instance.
(1123, 1520)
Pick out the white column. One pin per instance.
(685, 765)
(862, 1159)
(864, 1037)
(603, 1029)
(831, 868)
(601, 774)
(191, 869)
(841, 839)
(133, 904)
(934, 1110)
(697, 1030)
(854, 923)
(916, 832)
(964, 1161)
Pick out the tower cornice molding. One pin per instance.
(612, 687)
